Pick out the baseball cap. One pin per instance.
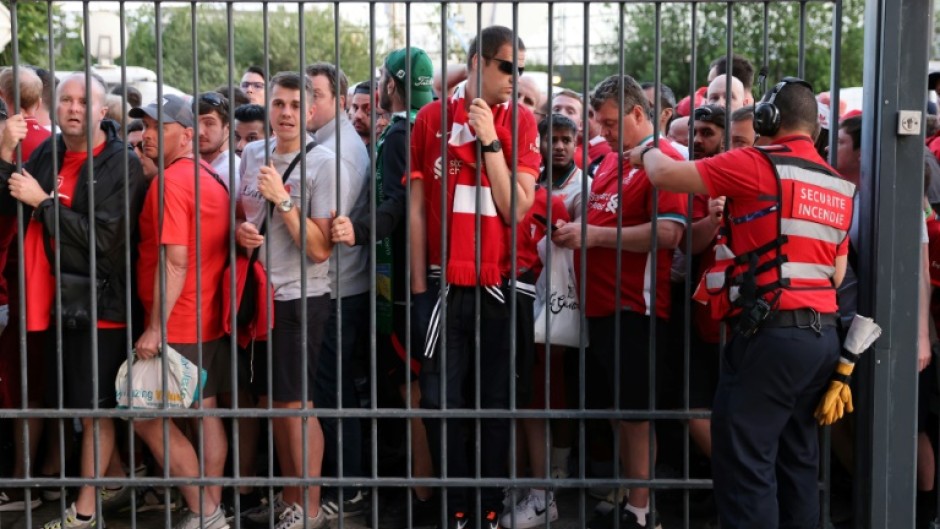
(422, 74)
(175, 109)
(3, 111)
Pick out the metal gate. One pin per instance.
(369, 438)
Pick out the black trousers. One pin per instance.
(765, 448)
(457, 364)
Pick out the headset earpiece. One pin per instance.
(766, 113)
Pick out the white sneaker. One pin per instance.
(261, 513)
(295, 518)
(531, 512)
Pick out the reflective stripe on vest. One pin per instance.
(824, 214)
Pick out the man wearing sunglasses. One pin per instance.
(213, 134)
(479, 137)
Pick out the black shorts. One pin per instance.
(634, 354)
(216, 360)
(78, 378)
(286, 359)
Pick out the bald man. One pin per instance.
(716, 93)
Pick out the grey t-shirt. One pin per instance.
(355, 168)
(221, 166)
(287, 260)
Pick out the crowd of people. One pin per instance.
(454, 161)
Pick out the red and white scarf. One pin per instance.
(462, 204)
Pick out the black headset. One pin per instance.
(766, 113)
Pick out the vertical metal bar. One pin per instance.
(200, 432)
(161, 267)
(374, 191)
(336, 255)
(442, 352)
(582, 256)
(895, 79)
(92, 260)
(687, 312)
(409, 433)
(477, 258)
(729, 65)
(549, 215)
(835, 83)
(514, 239)
(269, 344)
(802, 49)
(304, 312)
(235, 445)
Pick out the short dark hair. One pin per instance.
(714, 114)
(293, 81)
(559, 121)
(365, 87)
(239, 98)
(853, 127)
(667, 98)
(213, 102)
(330, 72)
(610, 89)
(491, 40)
(798, 108)
(255, 69)
(743, 114)
(135, 125)
(248, 113)
(740, 68)
(134, 98)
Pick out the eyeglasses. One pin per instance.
(254, 85)
(507, 66)
(709, 115)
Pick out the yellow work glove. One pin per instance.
(837, 400)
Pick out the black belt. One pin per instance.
(801, 318)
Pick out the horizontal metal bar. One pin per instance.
(154, 481)
(350, 413)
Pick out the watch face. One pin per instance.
(285, 206)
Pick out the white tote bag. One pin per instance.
(184, 382)
(557, 285)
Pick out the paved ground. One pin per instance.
(567, 505)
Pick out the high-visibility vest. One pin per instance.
(795, 265)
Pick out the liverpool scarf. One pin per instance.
(462, 201)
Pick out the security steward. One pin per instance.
(774, 283)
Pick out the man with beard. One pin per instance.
(390, 232)
(709, 138)
(249, 126)
(360, 107)
(213, 134)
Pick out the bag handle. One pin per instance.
(263, 227)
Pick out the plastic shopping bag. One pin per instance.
(145, 391)
(557, 289)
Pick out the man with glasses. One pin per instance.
(38, 188)
(481, 116)
(213, 134)
(253, 84)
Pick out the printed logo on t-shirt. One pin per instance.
(58, 186)
(453, 168)
(606, 202)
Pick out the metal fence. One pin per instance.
(883, 491)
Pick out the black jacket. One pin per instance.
(110, 217)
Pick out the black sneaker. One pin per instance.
(459, 520)
(628, 520)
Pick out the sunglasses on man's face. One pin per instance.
(211, 98)
(507, 66)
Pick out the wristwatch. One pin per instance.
(495, 146)
(285, 206)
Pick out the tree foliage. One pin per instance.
(783, 35)
(212, 37)
(33, 38)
